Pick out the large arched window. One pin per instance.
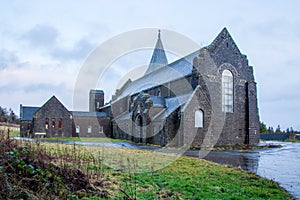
(199, 118)
(227, 91)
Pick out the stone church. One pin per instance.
(206, 98)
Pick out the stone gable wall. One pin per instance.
(53, 109)
(220, 128)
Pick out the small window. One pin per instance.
(77, 129)
(199, 119)
(60, 123)
(53, 123)
(89, 130)
(101, 129)
(46, 123)
(98, 104)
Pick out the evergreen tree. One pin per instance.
(278, 130)
(270, 129)
(263, 127)
(11, 117)
(8, 116)
(3, 114)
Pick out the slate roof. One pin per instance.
(168, 73)
(171, 105)
(124, 116)
(158, 101)
(26, 112)
(175, 102)
(159, 58)
(88, 114)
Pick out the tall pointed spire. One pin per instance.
(159, 58)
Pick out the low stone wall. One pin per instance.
(274, 136)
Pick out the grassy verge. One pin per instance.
(151, 175)
(292, 140)
(56, 171)
(189, 178)
(244, 147)
(13, 131)
(83, 139)
(236, 147)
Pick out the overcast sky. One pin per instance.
(43, 44)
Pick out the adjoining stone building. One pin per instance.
(206, 98)
(53, 119)
(26, 117)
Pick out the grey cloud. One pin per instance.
(41, 35)
(80, 50)
(36, 87)
(276, 28)
(7, 58)
(10, 59)
(43, 87)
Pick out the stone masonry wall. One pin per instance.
(98, 127)
(53, 109)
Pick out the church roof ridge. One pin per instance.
(177, 69)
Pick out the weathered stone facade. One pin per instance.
(216, 82)
(91, 124)
(25, 128)
(96, 100)
(53, 119)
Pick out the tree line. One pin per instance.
(270, 129)
(8, 116)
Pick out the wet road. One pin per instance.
(279, 164)
(282, 165)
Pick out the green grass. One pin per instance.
(83, 139)
(291, 140)
(13, 132)
(190, 178)
(139, 174)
